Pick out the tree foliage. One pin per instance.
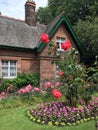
(74, 9)
(44, 15)
(88, 33)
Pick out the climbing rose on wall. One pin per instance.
(60, 73)
(56, 93)
(44, 38)
(66, 45)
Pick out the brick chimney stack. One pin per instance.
(30, 17)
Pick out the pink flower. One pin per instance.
(47, 84)
(29, 86)
(3, 93)
(44, 38)
(57, 84)
(36, 89)
(56, 93)
(66, 45)
(52, 86)
(20, 91)
(25, 89)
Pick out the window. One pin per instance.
(59, 41)
(9, 69)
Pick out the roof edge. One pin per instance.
(18, 48)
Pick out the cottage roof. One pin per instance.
(15, 33)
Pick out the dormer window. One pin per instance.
(59, 41)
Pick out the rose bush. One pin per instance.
(72, 74)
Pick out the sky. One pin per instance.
(15, 8)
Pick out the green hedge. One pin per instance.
(19, 82)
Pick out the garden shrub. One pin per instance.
(25, 79)
(19, 82)
(73, 75)
(4, 83)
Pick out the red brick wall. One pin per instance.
(27, 62)
(47, 70)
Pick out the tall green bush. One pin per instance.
(76, 81)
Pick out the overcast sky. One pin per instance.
(15, 8)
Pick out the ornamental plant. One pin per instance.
(59, 114)
(56, 93)
(73, 75)
(51, 89)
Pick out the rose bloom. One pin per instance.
(44, 38)
(48, 84)
(60, 73)
(28, 86)
(3, 93)
(56, 93)
(36, 89)
(57, 84)
(66, 45)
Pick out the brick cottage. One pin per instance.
(21, 50)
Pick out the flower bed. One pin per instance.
(59, 114)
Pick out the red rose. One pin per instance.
(66, 45)
(56, 93)
(60, 73)
(44, 38)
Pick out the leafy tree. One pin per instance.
(74, 9)
(44, 15)
(88, 34)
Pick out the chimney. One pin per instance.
(30, 17)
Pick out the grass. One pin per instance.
(15, 119)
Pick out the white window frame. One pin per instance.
(59, 41)
(9, 65)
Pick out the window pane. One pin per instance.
(62, 40)
(13, 63)
(12, 74)
(4, 74)
(4, 63)
(59, 41)
(13, 69)
(9, 69)
(4, 71)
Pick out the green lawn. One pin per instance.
(15, 119)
